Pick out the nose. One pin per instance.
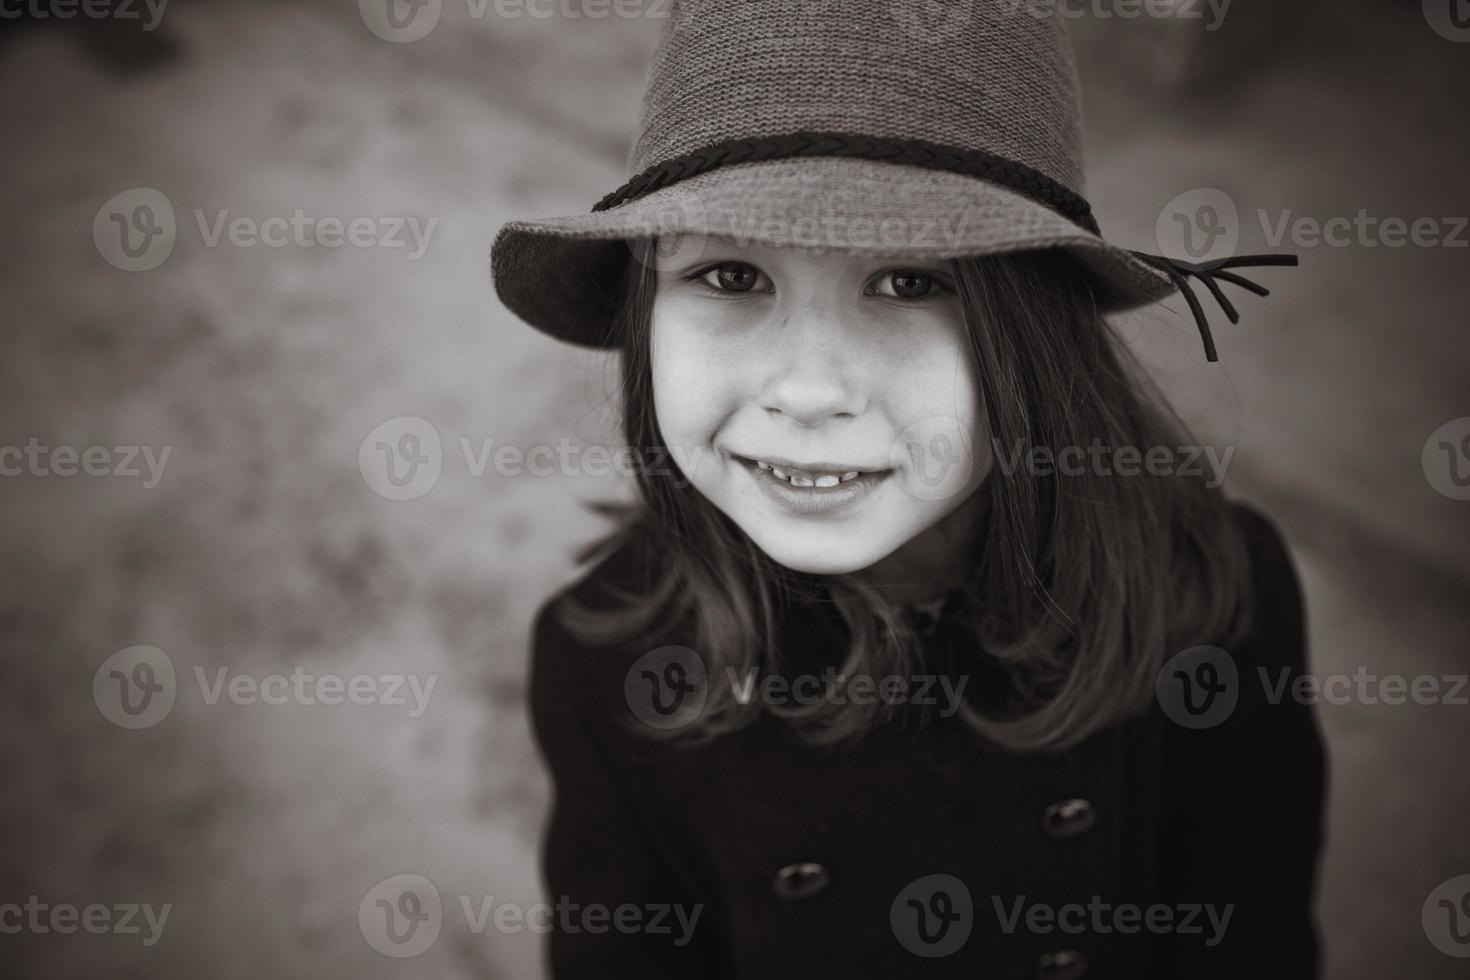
(813, 377)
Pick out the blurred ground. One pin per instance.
(264, 368)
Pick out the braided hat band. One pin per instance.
(913, 152)
(772, 114)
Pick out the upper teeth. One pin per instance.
(799, 480)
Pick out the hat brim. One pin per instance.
(561, 275)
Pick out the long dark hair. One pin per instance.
(1084, 586)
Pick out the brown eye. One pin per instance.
(732, 277)
(909, 284)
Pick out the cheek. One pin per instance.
(685, 398)
(968, 406)
(970, 395)
(937, 379)
(943, 448)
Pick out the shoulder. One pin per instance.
(595, 587)
(564, 658)
(1254, 523)
(1256, 721)
(1243, 784)
(1264, 539)
(1278, 607)
(583, 692)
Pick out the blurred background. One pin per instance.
(222, 519)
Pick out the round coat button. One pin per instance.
(1063, 964)
(1068, 818)
(801, 880)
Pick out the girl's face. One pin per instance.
(826, 403)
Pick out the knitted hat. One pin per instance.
(894, 128)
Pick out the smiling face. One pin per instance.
(827, 403)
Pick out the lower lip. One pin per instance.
(814, 500)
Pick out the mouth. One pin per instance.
(814, 476)
(814, 490)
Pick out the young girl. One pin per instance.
(921, 653)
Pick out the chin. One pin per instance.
(820, 554)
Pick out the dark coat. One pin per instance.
(797, 856)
